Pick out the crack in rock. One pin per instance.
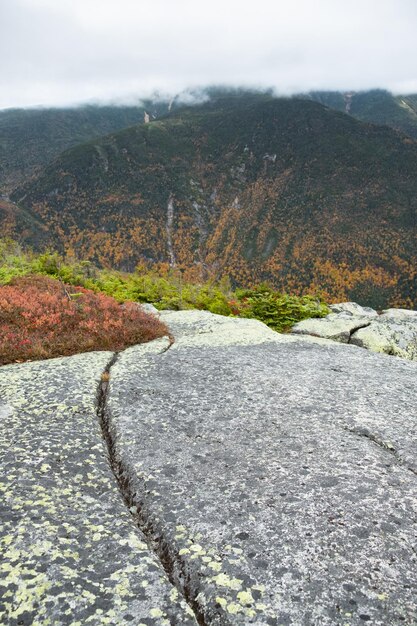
(159, 548)
(386, 446)
(354, 330)
(157, 411)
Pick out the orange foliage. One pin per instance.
(278, 228)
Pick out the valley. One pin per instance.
(245, 185)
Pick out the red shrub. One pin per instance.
(42, 318)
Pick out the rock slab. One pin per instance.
(70, 552)
(273, 476)
(278, 478)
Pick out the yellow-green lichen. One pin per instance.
(223, 580)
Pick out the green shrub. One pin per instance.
(279, 311)
(168, 291)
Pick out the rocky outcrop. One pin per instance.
(70, 552)
(335, 326)
(396, 336)
(354, 309)
(273, 477)
(201, 328)
(393, 332)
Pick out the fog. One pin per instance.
(60, 52)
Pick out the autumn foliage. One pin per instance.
(42, 318)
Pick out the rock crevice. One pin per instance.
(155, 543)
(69, 552)
(384, 445)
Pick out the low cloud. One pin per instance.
(57, 53)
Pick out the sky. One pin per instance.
(61, 52)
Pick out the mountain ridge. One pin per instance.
(261, 188)
(376, 106)
(31, 138)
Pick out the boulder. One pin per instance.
(395, 335)
(149, 308)
(405, 314)
(335, 326)
(393, 332)
(353, 308)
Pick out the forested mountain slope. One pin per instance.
(31, 138)
(376, 106)
(257, 188)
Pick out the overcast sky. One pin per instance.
(56, 52)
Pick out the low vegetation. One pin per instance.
(278, 310)
(50, 306)
(42, 318)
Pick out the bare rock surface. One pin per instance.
(149, 308)
(273, 477)
(395, 335)
(392, 332)
(70, 551)
(201, 328)
(278, 479)
(406, 314)
(353, 309)
(336, 326)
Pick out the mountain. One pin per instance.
(17, 221)
(31, 138)
(376, 106)
(254, 187)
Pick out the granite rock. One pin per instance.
(392, 332)
(335, 326)
(273, 479)
(404, 314)
(195, 328)
(353, 309)
(70, 551)
(149, 308)
(277, 478)
(395, 335)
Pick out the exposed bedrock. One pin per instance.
(273, 479)
(392, 332)
(70, 551)
(278, 478)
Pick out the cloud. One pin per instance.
(81, 50)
